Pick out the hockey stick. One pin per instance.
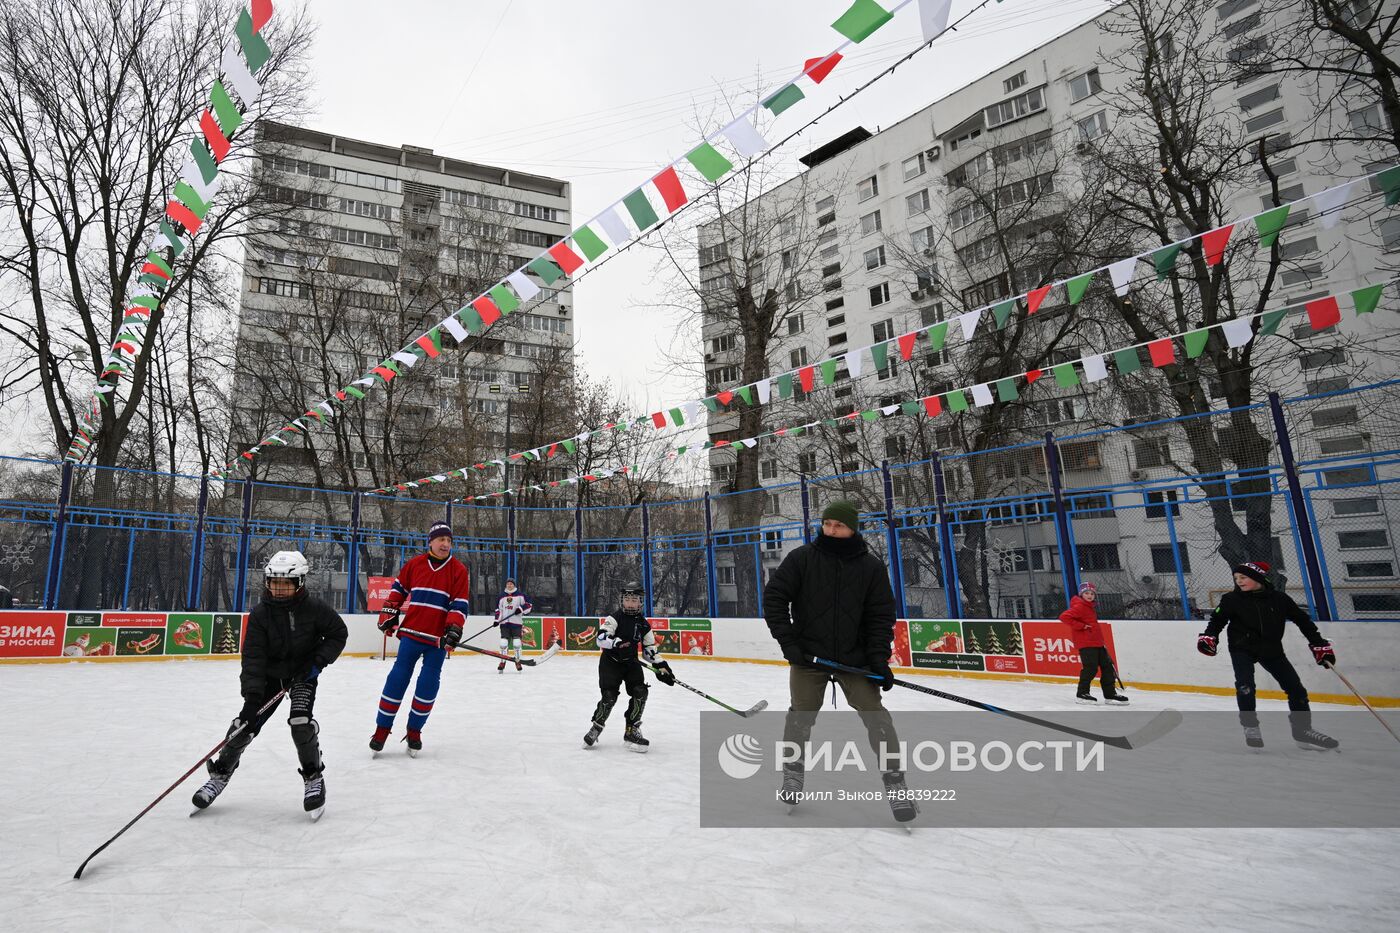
(1331, 667)
(532, 662)
(1158, 726)
(758, 707)
(212, 752)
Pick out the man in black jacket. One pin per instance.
(831, 599)
(1257, 614)
(292, 636)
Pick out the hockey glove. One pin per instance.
(1323, 654)
(796, 656)
(881, 668)
(451, 638)
(663, 673)
(389, 619)
(1207, 645)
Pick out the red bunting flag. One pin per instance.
(819, 68)
(1323, 313)
(567, 259)
(906, 345)
(669, 185)
(659, 419)
(933, 405)
(1163, 352)
(806, 376)
(490, 314)
(1035, 298)
(1033, 375)
(1213, 242)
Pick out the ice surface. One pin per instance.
(505, 822)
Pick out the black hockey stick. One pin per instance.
(532, 662)
(758, 707)
(212, 752)
(1158, 726)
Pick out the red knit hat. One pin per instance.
(1256, 570)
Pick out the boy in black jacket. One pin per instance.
(291, 637)
(1256, 614)
(832, 599)
(619, 637)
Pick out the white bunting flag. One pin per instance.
(1095, 368)
(1237, 332)
(1329, 204)
(1122, 274)
(743, 137)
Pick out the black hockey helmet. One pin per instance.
(632, 588)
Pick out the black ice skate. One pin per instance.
(376, 742)
(791, 791)
(1253, 737)
(1086, 699)
(1116, 699)
(211, 789)
(518, 667)
(591, 739)
(415, 742)
(634, 740)
(1314, 741)
(501, 668)
(313, 799)
(897, 793)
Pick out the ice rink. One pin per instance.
(505, 823)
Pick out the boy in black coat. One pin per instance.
(291, 637)
(832, 599)
(1257, 614)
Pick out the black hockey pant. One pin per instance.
(1281, 669)
(612, 675)
(304, 727)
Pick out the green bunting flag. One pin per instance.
(471, 319)
(1366, 299)
(861, 20)
(505, 299)
(1268, 325)
(746, 393)
(937, 336)
(588, 241)
(1006, 390)
(784, 385)
(1269, 224)
(1196, 342)
(570, 446)
(677, 417)
(956, 400)
(1077, 286)
(643, 214)
(1002, 312)
(828, 371)
(709, 162)
(909, 408)
(1065, 376)
(880, 354)
(1127, 361)
(1164, 260)
(783, 99)
(545, 268)
(1389, 180)
(871, 415)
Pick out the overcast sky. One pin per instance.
(605, 93)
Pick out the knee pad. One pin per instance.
(610, 697)
(304, 730)
(505, 643)
(637, 691)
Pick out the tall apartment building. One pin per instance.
(894, 242)
(362, 248)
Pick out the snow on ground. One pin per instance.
(505, 823)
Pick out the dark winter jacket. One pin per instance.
(832, 598)
(1083, 621)
(1256, 621)
(285, 641)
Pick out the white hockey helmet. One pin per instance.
(287, 565)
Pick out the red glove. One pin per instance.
(1323, 654)
(1206, 645)
(389, 619)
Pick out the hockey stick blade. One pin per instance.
(1157, 726)
(758, 707)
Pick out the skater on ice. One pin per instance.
(292, 636)
(427, 606)
(1082, 617)
(619, 637)
(510, 609)
(1255, 614)
(831, 599)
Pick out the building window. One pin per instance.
(797, 357)
(1355, 540)
(807, 462)
(1164, 560)
(879, 294)
(1081, 86)
(1319, 358)
(1264, 121)
(870, 223)
(874, 258)
(918, 202)
(913, 166)
(794, 324)
(922, 240)
(836, 339)
(1013, 82)
(1151, 452)
(1346, 444)
(1332, 417)
(1098, 557)
(768, 469)
(836, 320)
(1230, 7)
(1092, 126)
(723, 342)
(1375, 602)
(826, 203)
(1014, 109)
(835, 303)
(1368, 120)
(1364, 505)
(1349, 476)
(1370, 568)
(1259, 98)
(1390, 234)
(867, 188)
(1159, 502)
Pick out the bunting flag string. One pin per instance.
(705, 161)
(187, 208)
(1162, 351)
(1213, 245)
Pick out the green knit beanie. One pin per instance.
(844, 512)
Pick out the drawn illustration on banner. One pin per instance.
(999, 643)
(900, 654)
(227, 629)
(667, 642)
(89, 642)
(938, 643)
(140, 642)
(697, 643)
(580, 634)
(187, 633)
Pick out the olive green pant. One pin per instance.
(808, 687)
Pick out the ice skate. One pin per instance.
(313, 798)
(1313, 741)
(518, 666)
(591, 739)
(376, 742)
(1253, 737)
(897, 794)
(414, 738)
(212, 788)
(634, 740)
(1086, 699)
(501, 668)
(791, 791)
(1116, 699)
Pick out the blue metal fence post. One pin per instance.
(892, 539)
(1302, 529)
(352, 560)
(1176, 556)
(945, 539)
(126, 578)
(579, 593)
(511, 557)
(245, 536)
(806, 510)
(711, 584)
(1069, 562)
(196, 577)
(53, 578)
(646, 560)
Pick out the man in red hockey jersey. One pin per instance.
(427, 607)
